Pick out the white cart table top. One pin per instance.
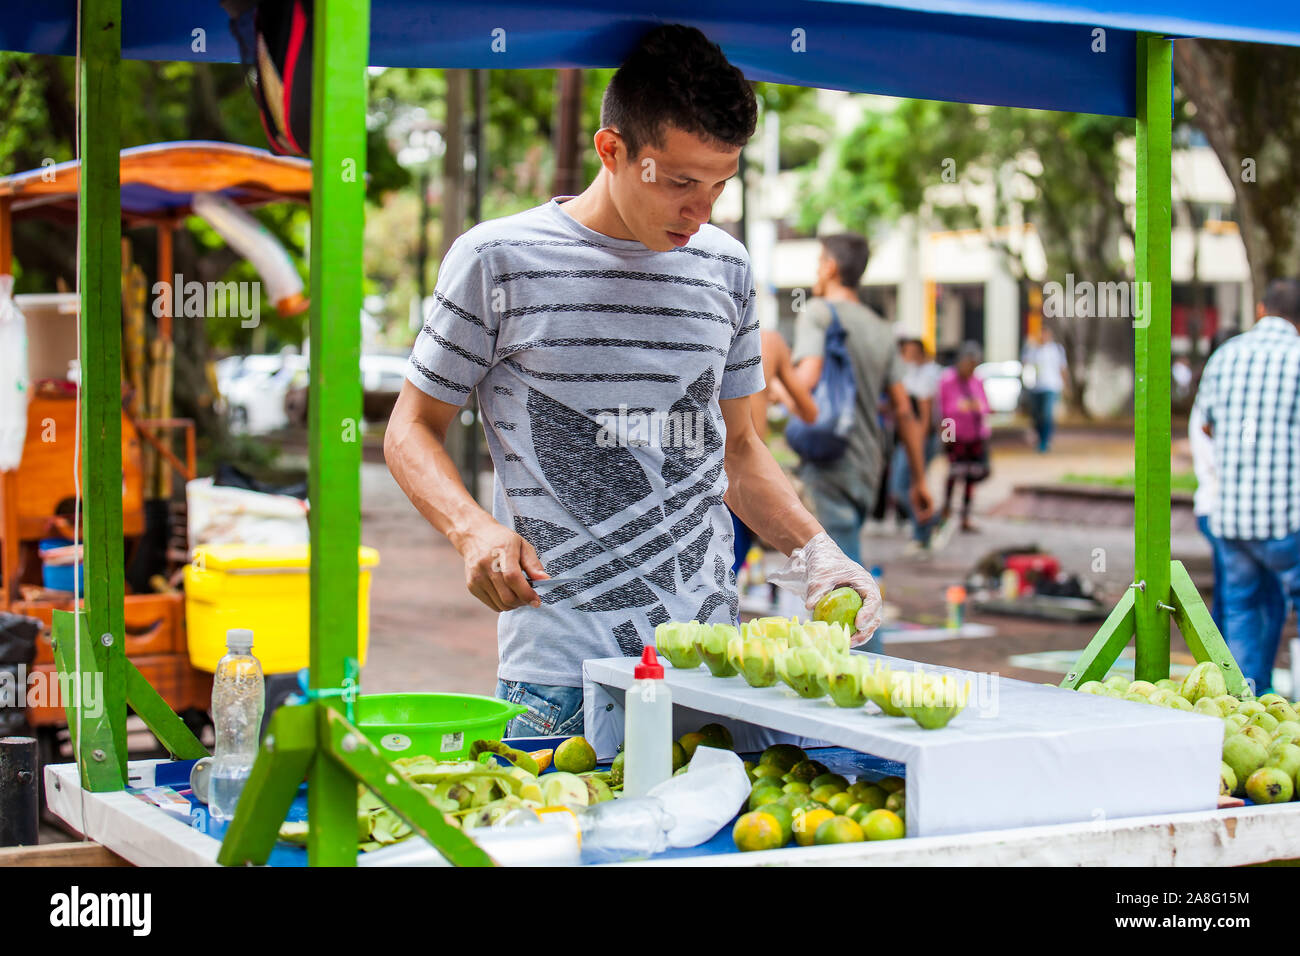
(1021, 754)
(147, 836)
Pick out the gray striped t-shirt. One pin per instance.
(599, 365)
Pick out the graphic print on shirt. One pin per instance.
(558, 330)
(612, 481)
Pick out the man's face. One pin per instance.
(826, 271)
(665, 195)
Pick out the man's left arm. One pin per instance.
(758, 490)
(761, 496)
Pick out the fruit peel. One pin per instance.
(844, 677)
(711, 642)
(755, 659)
(675, 640)
(932, 700)
(803, 671)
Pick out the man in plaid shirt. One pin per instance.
(1250, 400)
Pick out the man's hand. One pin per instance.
(498, 562)
(922, 506)
(820, 567)
(498, 566)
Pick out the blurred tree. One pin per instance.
(990, 168)
(1244, 97)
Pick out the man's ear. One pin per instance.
(607, 143)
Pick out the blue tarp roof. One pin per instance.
(1031, 53)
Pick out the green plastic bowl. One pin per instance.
(442, 726)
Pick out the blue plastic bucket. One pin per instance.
(59, 577)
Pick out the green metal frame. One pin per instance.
(100, 276)
(108, 683)
(316, 740)
(1162, 590)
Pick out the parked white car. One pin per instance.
(254, 390)
(1002, 385)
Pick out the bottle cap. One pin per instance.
(239, 639)
(649, 668)
(956, 594)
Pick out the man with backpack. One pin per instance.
(844, 482)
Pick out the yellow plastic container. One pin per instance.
(264, 588)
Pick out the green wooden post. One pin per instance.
(338, 143)
(1151, 348)
(1162, 590)
(290, 748)
(158, 716)
(99, 222)
(93, 745)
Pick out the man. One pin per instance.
(1249, 398)
(612, 341)
(921, 382)
(1045, 368)
(844, 491)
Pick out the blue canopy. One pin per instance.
(1034, 53)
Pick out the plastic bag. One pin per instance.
(224, 515)
(705, 798)
(14, 387)
(624, 829)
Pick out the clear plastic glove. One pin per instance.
(820, 567)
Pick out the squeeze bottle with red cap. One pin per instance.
(647, 728)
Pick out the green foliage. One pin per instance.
(1181, 481)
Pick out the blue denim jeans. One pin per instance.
(1261, 580)
(842, 500)
(553, 711)
(1216, 559)
(1043, 404)
(900, 485)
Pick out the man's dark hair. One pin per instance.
(1283, 298)
(677, 77)
(849, 252)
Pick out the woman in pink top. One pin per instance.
(964, 428)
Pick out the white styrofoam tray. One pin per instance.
(1021, 754)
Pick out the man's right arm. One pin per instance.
(498, 562)
(808, 352)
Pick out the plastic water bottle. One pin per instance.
(647, 728)
(238, 699)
